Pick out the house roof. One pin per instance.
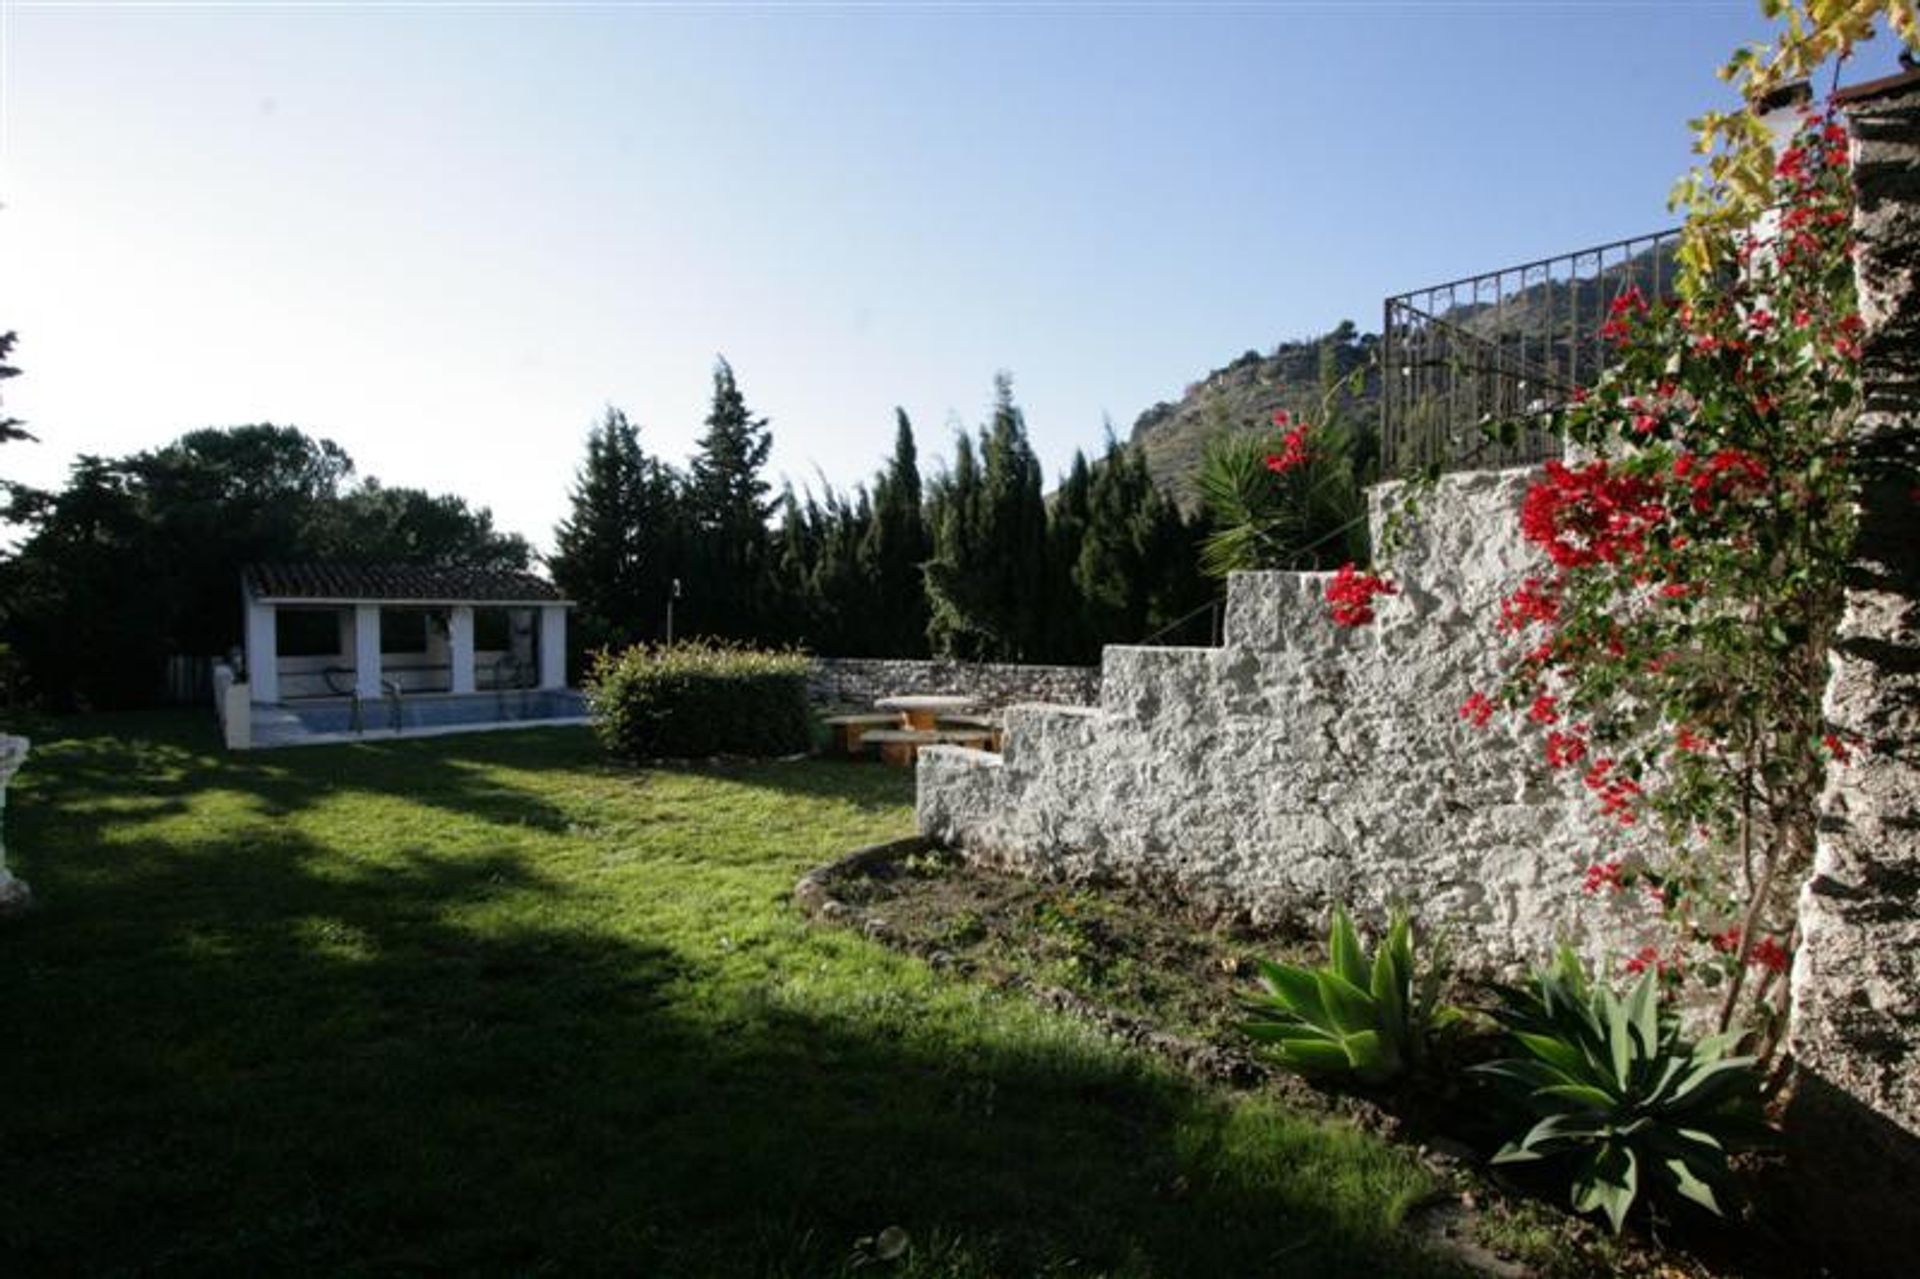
(1883, 87)
(395, 584)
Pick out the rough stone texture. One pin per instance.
(1855, 1118)
(15, 896)
(1302, 763)
(857, 681)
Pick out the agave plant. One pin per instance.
(1372, 1018)
(1614, 1088)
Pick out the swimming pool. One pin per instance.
(333, 719)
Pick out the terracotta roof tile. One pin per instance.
(348, 582)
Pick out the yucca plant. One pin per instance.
(1371, 1018)
(1613, 1088)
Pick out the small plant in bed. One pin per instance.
(1617, 1098)
(694, 700)
(1368, 1019)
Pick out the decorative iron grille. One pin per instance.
(1506, 347)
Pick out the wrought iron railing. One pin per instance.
(1505, 347)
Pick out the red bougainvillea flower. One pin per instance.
(1604, 875)
(1535, 601)
(1728, 942)
(1293, 454)
(1477, 710)
(1351, 594)
(1564, 750)
(1837, 748)
(1690, 742)
(1590, 515)
(1543, 710)
(1769, 954)
(1616, 794)
(1649, 957)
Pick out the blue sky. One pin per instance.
(448, 237)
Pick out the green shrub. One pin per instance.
(1370, 1018)
(696, 699)
(1613, 1088)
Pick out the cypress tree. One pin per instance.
(1014, 531)
(1070, 638)
(953, 576)
(897, 549)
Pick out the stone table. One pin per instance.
(14, 894)
(922, 709)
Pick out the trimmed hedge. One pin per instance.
(692, 700)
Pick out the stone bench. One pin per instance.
(850, 732)
(901, 746)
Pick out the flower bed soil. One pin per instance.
(1165, 979)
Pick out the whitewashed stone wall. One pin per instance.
(1303, 763)
(857, 681)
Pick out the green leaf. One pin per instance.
(1568, 1060)
(1343, 948)
(1296, 989)
(1349, 1008)
(1581, 1095)
(1389, 995)
(1607, 1181)
(1643, 1012)
(1689, 1186)
(1619, 1038)
(1314, 1057)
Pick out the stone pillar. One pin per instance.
(14, 894)
(366, 651)
(263, 652)
(553, 646)
(460, 638)
(1854, 1121)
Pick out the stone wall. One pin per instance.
(1855, 1116)
(1303, 763)
(857, 681)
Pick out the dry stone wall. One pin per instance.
(857, 681)
(1303, 764)
(1855, 1116)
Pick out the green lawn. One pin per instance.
(488, 1004)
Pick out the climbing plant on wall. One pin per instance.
(1675, 640)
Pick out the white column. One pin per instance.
(366, 651)
(263, 653)
(460, 636)
(553, 646)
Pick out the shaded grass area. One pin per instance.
(489, 1004)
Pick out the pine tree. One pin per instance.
(728, 500)
(621, 546)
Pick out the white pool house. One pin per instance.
(337, 652)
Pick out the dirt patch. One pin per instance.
(1171, 979)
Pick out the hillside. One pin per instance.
(1544, 323)
(1245, 394)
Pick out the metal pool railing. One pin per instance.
(1504, 347)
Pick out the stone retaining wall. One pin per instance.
(1303, 764)
(857, 681)
(1855, 1117)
